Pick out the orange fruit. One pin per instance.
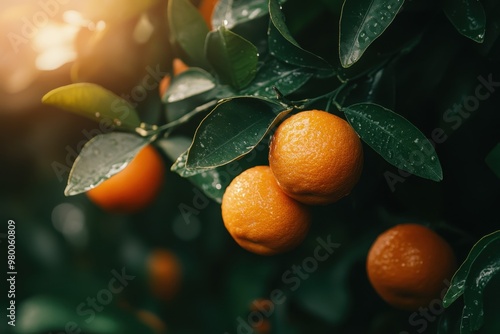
(135, 187)
(263, 307)
(178, 66)
(206, 8)
(408, 266)
(260, 217)
(165, 274)
(152, 321)
(164, 84)
(316, 157)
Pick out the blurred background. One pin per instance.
(68, 251)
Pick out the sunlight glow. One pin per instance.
(54, 44)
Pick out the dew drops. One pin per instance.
(97, 114)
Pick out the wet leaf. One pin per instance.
(468, 17)
(233, 57)
(274, 73)
(229, 13)
(96, 103)
(189, 29)
(378, 88)
(361, 23)
(192, 82)
(102, 157)
(471, 280)
(232, 130)
(458, 282)
(493, 160)
(395, 139)
(283, 46)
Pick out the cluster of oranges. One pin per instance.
(315, 158)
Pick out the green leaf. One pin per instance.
(190, 91)
(395, 139)
(192, 82)
(458, 282)
(229, 13)
(189, 29)
(213, 182)
(378, 88)
(472, 279)
(361, 23)
(232, 130)
(485, 266)
(94, 102)
(233, 57)
(468, 17)
(282, 45)
(493, 160)
(274, 73)
(102, 157)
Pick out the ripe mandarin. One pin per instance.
(260, 216)
(316, 157)
(409, 264)
(135, 187)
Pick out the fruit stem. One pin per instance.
(177, 122)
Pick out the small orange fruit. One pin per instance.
(152, 321)
(260, 217)
(165, 274)
(135, 187)
(178, 66)
(265, 307)
(164, 84)
(316, 157)
(409, 264)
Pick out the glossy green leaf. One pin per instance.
(229, 13)
(232, 130)
(213, 182)
(274, 73)
(283, 46)
(192, 90)
(192, 82)
(458, 282)
(233, 57)
(361, 23)
(449, 321)
(395, 139)
(481, 272)
(189, 29)
(468, 17)
(379, 88)
(102, 157)
(493, 160)
(174, 146)
(179, 166)
(94, 102)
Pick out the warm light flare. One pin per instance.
(54, 44)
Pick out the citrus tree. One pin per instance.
(408, 78)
